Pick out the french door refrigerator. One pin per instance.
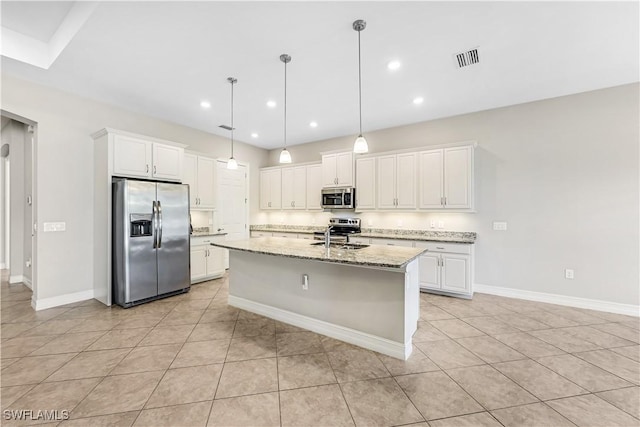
(150, 241)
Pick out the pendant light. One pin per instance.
(285, 156)
(360, 145)
(231, 163)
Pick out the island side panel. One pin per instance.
(364, 299)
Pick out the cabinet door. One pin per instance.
(366, 183)
(429, 271)
(299, 187)
(455, 273)
(215, 261)
(131, 156)
(431, 179)
(457, 177)
(329, 170)
(276, 189)
(265, 189)
(190, 176)
(206, 183)
(406, 181)
(167, 162)
(198, 262)
(314, 186)
(386, 182)
(344, 169)
(287, 188)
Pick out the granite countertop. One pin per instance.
(381, 256)
(205, 232)
(422, 235)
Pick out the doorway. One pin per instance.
(233, 202)
(18, 142)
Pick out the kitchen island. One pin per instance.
(367, 296)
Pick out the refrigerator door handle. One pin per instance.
(154, 220)
(159, 224)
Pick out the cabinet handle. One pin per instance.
(154, 169)
(147, 168)
(438, 247)
(445, 201)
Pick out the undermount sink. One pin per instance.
(340, 245)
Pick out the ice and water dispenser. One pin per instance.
(141, 225)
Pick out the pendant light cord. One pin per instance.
(285, 105)
(359, 83)
(232, 82)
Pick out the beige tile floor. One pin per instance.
(192, 360)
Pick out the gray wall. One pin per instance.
(562, 172)
(64, 157)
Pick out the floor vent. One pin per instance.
(464, 59)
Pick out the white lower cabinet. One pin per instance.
(446, 267)
(207, 262)
(392, 242)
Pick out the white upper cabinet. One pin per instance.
(270, 188)
(294, 187)
(314, 187)
(446, 178)
(199, 173)
(366, 183)
(141, 158)
(396, 181)
(337, 170)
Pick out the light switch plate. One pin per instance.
(500, 226)
(50, 227)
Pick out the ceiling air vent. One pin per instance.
(464, 59)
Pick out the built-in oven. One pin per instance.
(339, 198)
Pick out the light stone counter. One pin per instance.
(378, 256)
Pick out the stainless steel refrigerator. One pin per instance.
(150, 241)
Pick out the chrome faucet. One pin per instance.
(327, 236)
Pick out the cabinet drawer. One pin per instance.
(205, 240)
(454, 248)
(392, 242)
(305, 236)
(289, 235)
(361, 240)
(260, 234)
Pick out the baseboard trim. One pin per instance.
(27, 282)
(362, 339)
(16, 279)
(3, 266)
(44, 303)
(592, 304)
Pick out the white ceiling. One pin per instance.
(163, 58)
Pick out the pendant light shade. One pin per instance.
(360, 145)
(285, 156)
(232, 163)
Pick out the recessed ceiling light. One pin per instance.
(271, 104)
(419, 100)
(313, 124)
(254, 135)
(393, 65)
(205, 104)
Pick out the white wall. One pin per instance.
(64, 157)
(564, 174)
(27, 178)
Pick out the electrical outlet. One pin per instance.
(440, 224)
(305, 282)
(433, 223)
(568, 274)
(499, 226)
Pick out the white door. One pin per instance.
(457, 177)
(386, 182)
(406, 181)
(131, 156)
(429, 271)
(455, 273)
(314, 186)
(299, 187)
(233, 203)
(190, 176)
(329, 170)
(366, 183)
(431, 176)
(206, 183)
(344, 169)
(167, 162)
(287, 188)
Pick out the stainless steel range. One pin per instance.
(341, 229)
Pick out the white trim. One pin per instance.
(592, 304)
(2, 266)
(16, 279)
(362, 339)
(44, 303)
(27, 282)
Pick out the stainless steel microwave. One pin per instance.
(339, 198)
